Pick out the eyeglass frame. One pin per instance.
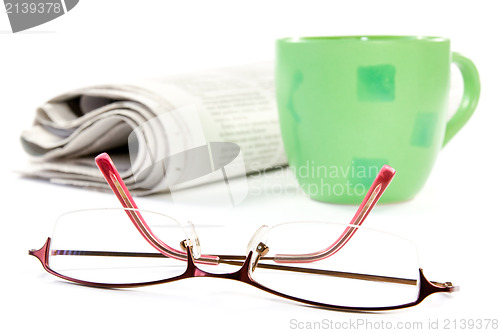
(105, 164)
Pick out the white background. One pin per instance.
(454, 220)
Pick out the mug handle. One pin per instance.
(469, 99)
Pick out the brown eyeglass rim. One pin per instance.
(426, 287)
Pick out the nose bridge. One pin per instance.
(242, 274)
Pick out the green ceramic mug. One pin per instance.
(349, 105)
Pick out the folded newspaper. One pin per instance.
(147, 127)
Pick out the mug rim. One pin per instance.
(364, 38)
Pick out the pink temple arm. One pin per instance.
(378, 187)
(116, 183)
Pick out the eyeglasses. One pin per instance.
(324, 264)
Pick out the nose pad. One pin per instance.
(258, 245)
(194, 241)
(259, 236)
